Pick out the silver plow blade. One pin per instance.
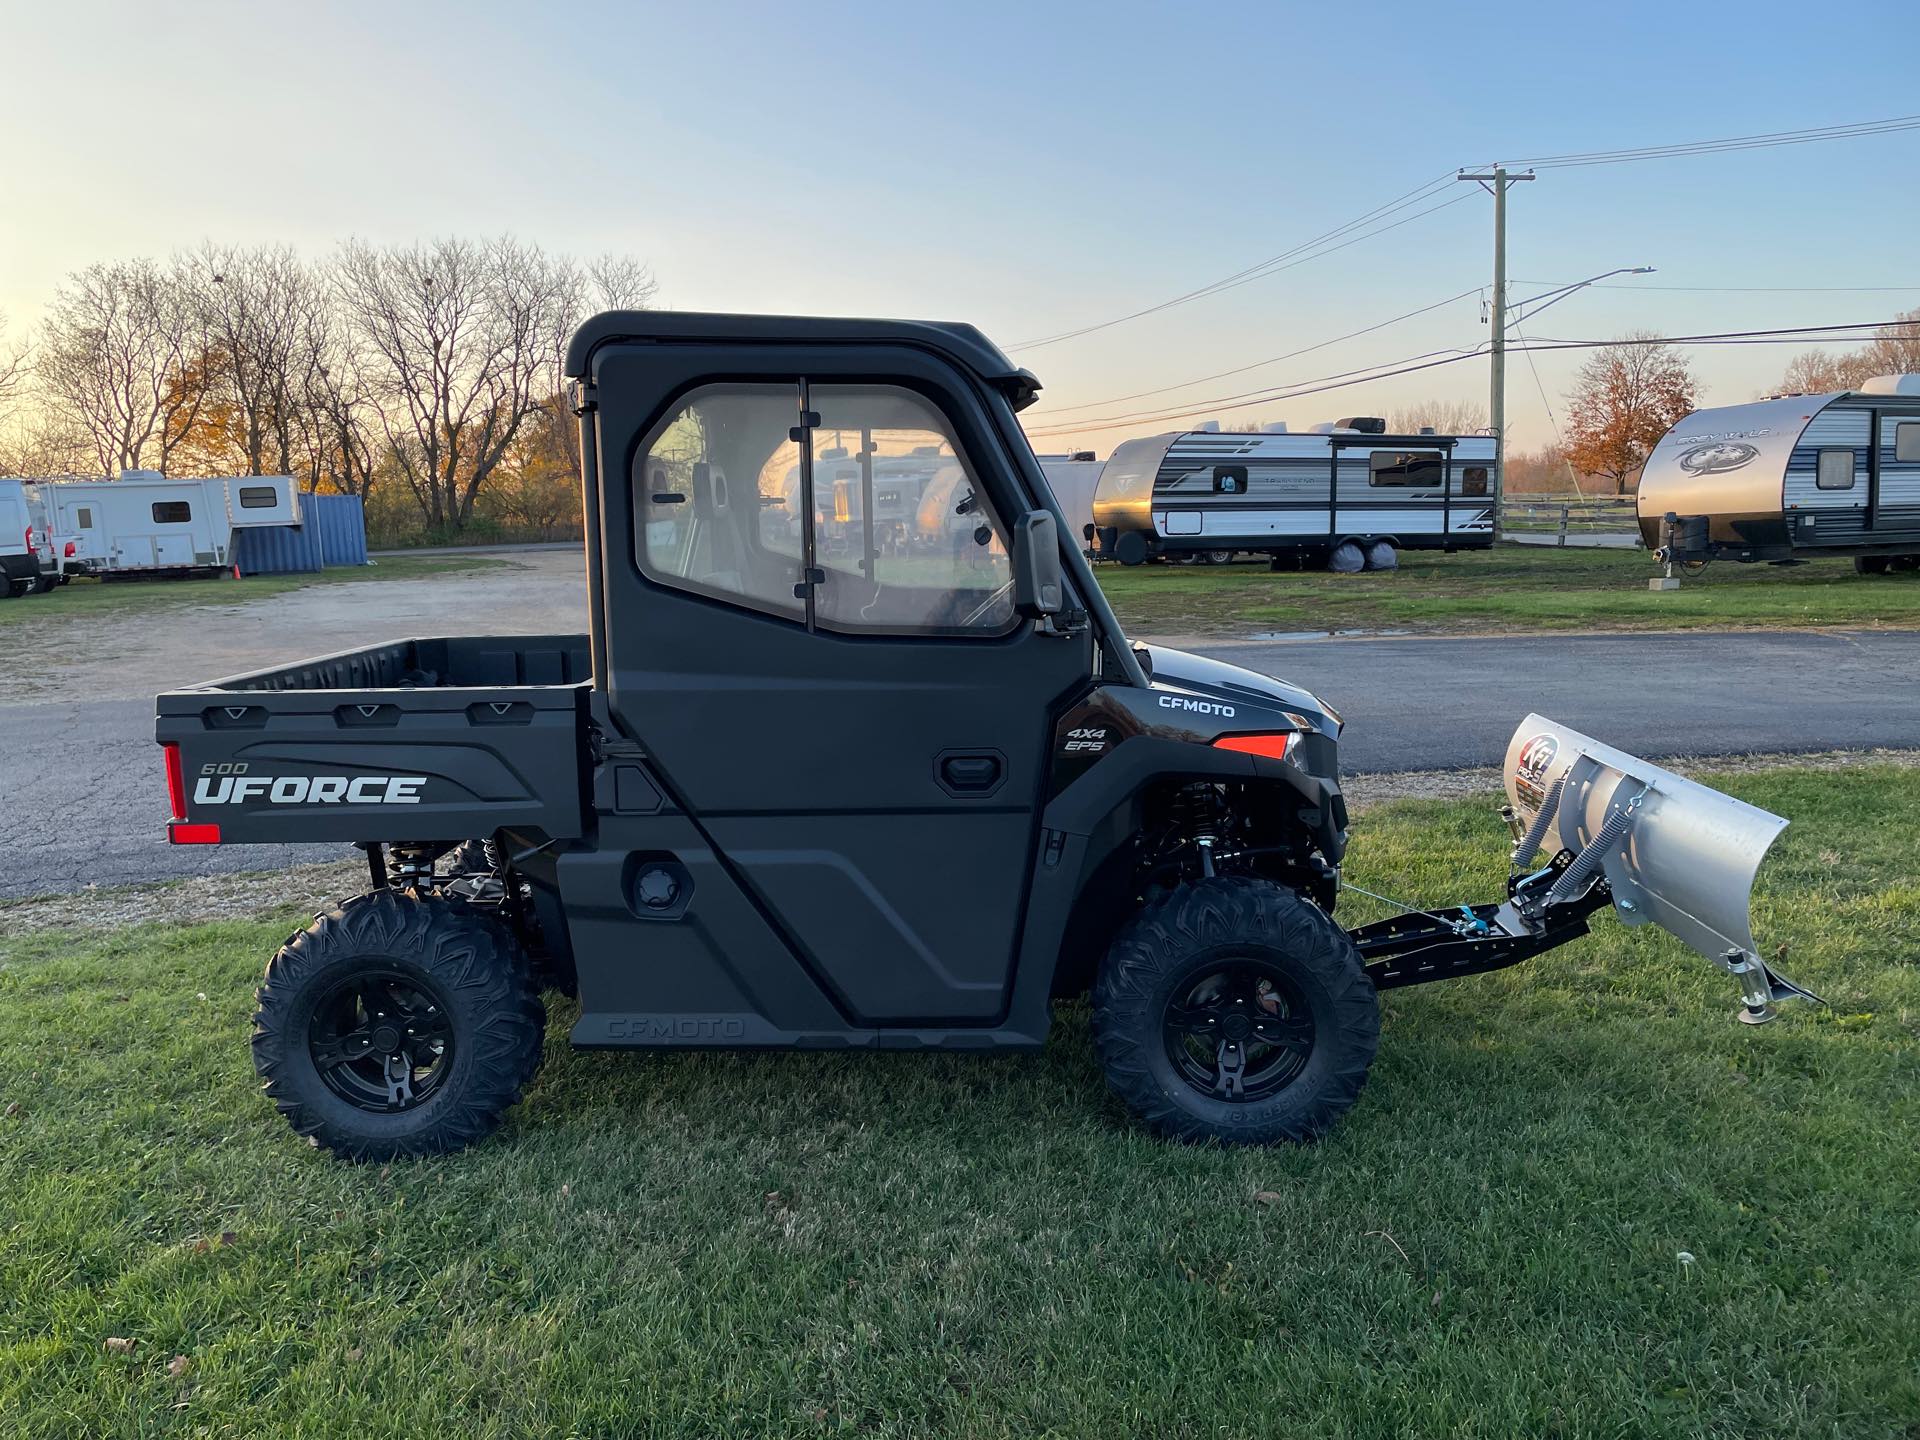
(1675, 854)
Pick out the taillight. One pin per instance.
(71, 552)
(176, 782)
(180, 833)
(1276, 746)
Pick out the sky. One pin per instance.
(1031, 168)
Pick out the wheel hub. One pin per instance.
(381, 1040)
(1240, 1031)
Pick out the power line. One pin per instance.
(1762, 289)
(1786, 335)
(1273, 264)
(1763, 141)
(1559, 440)
(1260, 364)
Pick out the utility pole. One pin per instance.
(1496, 185)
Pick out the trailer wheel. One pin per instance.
(397, 1025)
(1870, 565)
(1235, 1010)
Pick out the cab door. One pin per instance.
(809, 628)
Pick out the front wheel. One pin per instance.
(397, 1025)
(1235, 1010)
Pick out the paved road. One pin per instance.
(86, 800)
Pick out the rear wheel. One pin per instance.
(45, 583)
(1235, 1010)
(397, 1025)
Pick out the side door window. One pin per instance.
(906, 536)
(717, 498)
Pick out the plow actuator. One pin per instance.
(1659, 848)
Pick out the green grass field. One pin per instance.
(1576, 1199)
(92, 597)
(1510, 588)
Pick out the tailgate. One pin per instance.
(428, 764)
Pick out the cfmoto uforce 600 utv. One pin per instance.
(853, 753)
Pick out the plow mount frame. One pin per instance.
(1422, 946)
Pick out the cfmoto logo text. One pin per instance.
(1203, 707)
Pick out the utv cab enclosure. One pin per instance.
(852, 753)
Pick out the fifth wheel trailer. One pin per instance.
(1792, 478)
(1296, 496)
(146, 523)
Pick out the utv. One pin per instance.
(853, 753)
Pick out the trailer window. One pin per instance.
(172, 512)
(716, 498)
(258, 497)
(908, 539)
(1409, 469)
(1906, 443)
(84, 517)
(1835, 470)
(1473, 480)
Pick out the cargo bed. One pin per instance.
(438, 739)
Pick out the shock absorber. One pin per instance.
(1196, 810)
(412, 867)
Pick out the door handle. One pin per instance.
(971, 772)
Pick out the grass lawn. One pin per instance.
(93, 597)
(1512, 587)
(1576, 1199)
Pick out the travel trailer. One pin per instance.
(1792, 478)
(26, 551)
(145, 523)
(1339, 495)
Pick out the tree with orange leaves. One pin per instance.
(1628, 395)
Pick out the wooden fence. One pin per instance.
(1605, 522)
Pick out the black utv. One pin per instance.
(852, 753)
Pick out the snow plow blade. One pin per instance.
(1671, 852)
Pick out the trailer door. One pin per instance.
(1893, 476)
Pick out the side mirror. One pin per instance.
(1039, 589)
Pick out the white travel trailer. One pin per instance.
(26, 550)
(1343, 492)
(1792, 478)
(1074, 479)
(145, 522)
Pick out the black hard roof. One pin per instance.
(959, 342)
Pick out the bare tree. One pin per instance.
(619, 282)
(266, 316)
(1894, 350)
(1820, 371)
(13, 373)
(462, 342)
(1446, 417)
(126, 354)
(1627, 397)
